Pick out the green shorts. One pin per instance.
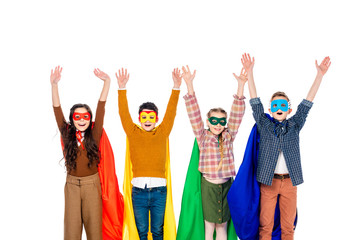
(214, 201)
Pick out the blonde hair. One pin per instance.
(217, 110)
(221, 140)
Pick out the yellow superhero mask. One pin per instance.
(150, 116)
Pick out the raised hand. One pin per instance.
(176, 75)
(187, 76)
(100, 74)
(321, 70)
(247, 62)
(242, 78)
(323, 67)
(122, 77)
(55, 75)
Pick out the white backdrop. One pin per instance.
(150, 38)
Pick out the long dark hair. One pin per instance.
(70, 143)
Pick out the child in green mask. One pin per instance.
(216, 160)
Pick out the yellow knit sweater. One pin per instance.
(148, 149)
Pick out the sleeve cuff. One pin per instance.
(188, 96)
(307, 103)
(239, 98)
(254, 101)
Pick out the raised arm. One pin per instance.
(188, 78)
(321, 70)
(103, 76)
(192, 106)
(238, 106)
(241, 79)
(170, 113)
(248, 64)
(100, 110)
(54, 79)
(122, 79)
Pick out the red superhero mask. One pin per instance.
(77, 116)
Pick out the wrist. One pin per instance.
(189, 85)
(190, 90)
(319, 75)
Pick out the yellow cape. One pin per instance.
(129, 227)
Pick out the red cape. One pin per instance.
(112, 199)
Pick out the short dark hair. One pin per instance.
(280, 94)
(148, 105)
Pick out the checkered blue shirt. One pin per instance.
(279, 136)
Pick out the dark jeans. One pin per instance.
(153, 200)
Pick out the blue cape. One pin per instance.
(244, 195)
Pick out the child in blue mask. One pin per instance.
(279, 167)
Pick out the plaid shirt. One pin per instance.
(210, 156)
(276, 137)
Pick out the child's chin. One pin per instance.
(280, 118)
(216, 132)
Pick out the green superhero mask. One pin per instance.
(216, 121)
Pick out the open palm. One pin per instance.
(242, 78)
(100, 74)
(176, 75)
(324, 66)
(247, 62)
(187, 76)
(55, 75)
(122, 77)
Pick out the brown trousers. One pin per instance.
(83, 206)
(287, 204)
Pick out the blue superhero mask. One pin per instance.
(216, 121)
(281, 104)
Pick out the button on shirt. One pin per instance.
(276, 137)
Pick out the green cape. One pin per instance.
(191, 221)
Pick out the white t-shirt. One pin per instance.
(150, 182)
(281, 167)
